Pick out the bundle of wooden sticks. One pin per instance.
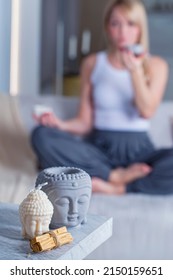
(50, 240)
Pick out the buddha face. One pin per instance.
(70, 206)
(69, 190)
(36, 225)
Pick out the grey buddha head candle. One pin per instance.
(69, 190)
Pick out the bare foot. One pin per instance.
(129, 174)
(101, 186)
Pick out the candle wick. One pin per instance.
(41, 185)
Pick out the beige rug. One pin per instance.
(17, 161)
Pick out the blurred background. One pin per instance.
(42, 42)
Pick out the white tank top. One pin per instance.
(113, 97)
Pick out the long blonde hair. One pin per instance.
(136, 12)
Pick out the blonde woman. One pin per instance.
(120, 92)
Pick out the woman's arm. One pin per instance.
(82, 123)
(148, 95)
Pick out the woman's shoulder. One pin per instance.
(89, 62)
(158, 63)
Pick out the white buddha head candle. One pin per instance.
(35, 212)
(69, 190)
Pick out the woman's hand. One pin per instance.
(132, 62)
(49, 119)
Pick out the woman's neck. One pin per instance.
(115, 58)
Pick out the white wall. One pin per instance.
(5, 38)
(29, 47)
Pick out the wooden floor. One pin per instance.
(71, 86)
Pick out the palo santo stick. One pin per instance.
(51, 239)
(60, 230)
(45, 236)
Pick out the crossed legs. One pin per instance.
(70, 151)
(119, 178)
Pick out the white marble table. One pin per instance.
(86, 238)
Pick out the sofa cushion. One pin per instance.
(160, 130)
(142, 226)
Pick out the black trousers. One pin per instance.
(102, 151)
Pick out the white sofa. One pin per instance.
(160, 131)
(143, 225)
